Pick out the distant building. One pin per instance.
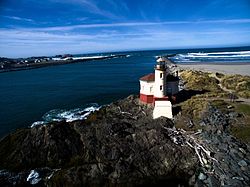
(2, 65)
(159, 89)
(37, 60)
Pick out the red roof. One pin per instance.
(149, 78)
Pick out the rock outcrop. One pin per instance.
(121, 145)
(231, 165)
(118, 145)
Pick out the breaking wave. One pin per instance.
(236, 56)
(33, 177)
(67, 115)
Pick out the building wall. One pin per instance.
(172, 87)
(162, 108)
(160, 83)
(146, 88)
(161, 98)
(147, 98)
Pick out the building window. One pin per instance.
(151, 88)
(161, 87)
(161, 75)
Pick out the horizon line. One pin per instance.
(135, 50)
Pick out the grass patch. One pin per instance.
(241, 128)
(219, 75)
(241, 132)
(220, 104)
(194, 108)
(198, 80)
(243, 108)
(244, 93)
(238, 83)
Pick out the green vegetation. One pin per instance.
(219, 75)
(244, 93)
(243, 108)
(238, 83)
(213, 95)
(241, 128)
(220, 104)
(194, 108)
(241, 132)
(197, 80)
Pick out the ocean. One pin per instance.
(72, 91)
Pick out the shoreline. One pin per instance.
(225, 68)
(214, 63)
(21, 67)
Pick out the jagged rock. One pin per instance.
(202, 176)
(213, 182)
(242, 163)
(229, 152)
(118, 145)
(121, 145)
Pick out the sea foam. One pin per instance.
(67, 115)
(33, 177)
(236, 56)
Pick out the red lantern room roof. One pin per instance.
(149, 78)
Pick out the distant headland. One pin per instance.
(10, 64)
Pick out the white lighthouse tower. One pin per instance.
(160, 79)
(163, 106)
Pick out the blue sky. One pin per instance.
(49, 27)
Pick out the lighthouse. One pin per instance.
(159, 88)
(160, 79)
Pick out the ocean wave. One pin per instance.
(217, 55)
(84, 57)
(224, 53)
(67, 115)
(33, 177)
(213, 56)
(37, 123)
(90, 57)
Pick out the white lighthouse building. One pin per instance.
(159, 89)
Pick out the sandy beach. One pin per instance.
(242, 69)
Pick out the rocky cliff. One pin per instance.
(118, 145)
(121, 145)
